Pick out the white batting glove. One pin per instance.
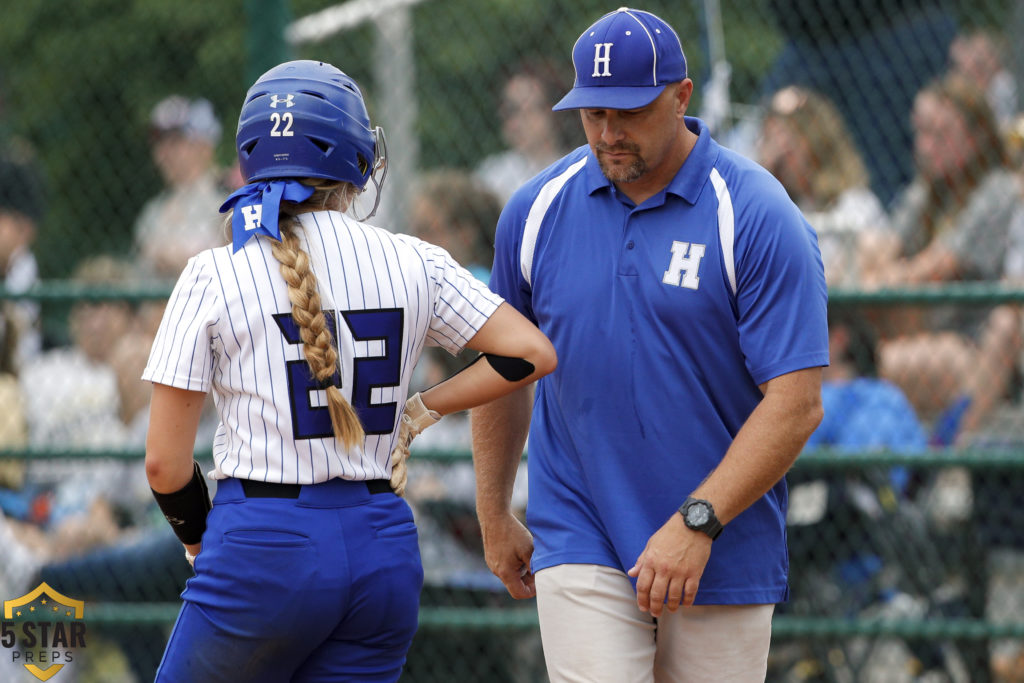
(415, 418)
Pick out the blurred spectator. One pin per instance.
(128, 359)
(231, 177)
(950, 224)
(851, 531)
(80, 406)
(95, 396)
(13, 432)
(183, 219)
(805, 144)
(532, 132)
(71, 400)
(90, 524)
(1015, 140)
(979, 56)
(1013, 264)
(21, 210)
(862, 411)
(88, 395)
(1006, 429)
(869, 57)
(456, 211)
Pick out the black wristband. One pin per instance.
(186, 509)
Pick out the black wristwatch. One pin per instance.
(699, 515)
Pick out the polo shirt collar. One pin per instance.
(688, 181)
(693, 176)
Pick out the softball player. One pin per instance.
(306, 329)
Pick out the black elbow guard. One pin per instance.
(186, 508)
(512, 369)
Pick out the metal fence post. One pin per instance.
(265, 43)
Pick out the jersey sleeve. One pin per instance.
(461, 304)
(182, 355)
(781, 295)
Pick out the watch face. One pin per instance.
(697, 514)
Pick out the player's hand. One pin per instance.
(508, 547)
(191, 550)
(670, 567)
(415, 418)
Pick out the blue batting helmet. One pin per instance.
(306, 119)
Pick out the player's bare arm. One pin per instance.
(763, 451)
(527, 356)
(499, 436)
(174, 421)
(514, 354)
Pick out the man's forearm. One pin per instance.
(499, 435)
(767, 445)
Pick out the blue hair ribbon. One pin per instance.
(257, 205)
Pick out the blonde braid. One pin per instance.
(318, 343)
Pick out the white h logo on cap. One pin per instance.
(602, 57)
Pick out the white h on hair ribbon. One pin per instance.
(257, 205)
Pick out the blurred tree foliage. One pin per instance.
(79, 79)
(79, 82)
(464, 48)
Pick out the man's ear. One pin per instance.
(683, 95)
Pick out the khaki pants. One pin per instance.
(593, 632)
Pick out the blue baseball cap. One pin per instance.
(624, 61)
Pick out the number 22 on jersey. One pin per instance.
(368, 372)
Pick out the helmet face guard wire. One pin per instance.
(380, 165)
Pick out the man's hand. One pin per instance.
(415, 418)
(508, 547)
(671, 565)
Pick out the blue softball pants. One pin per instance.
(322, 587)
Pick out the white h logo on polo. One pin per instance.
(682, 271)
(252, 215)
(602, 58)
(286, 101)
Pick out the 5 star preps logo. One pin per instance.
(41, 630)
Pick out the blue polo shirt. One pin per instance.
(666, 318)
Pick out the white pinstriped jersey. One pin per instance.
(228, 327)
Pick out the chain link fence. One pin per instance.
(895, 124)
